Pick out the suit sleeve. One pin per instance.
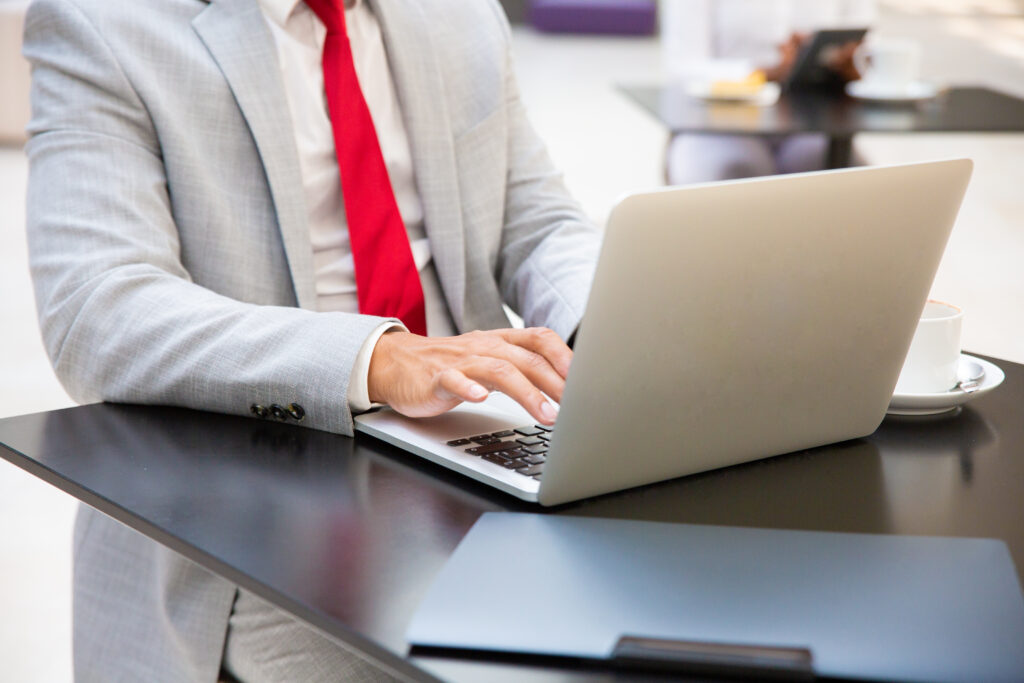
(549, 247)
(120, 316)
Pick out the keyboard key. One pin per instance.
(495, 447)
(502, 434)
(537, 450)
(459, 442)
(530, 441)
(496, 458)
(484, 438)
(534, 459)
(537, 476)
(514, 464)
(543, 428)
(528, 430)
(532, 470)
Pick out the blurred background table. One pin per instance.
(837, 115)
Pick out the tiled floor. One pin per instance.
(606, 147)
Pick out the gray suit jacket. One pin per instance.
(172, 262)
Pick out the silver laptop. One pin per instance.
(727, 322)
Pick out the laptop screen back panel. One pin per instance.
(739, 320)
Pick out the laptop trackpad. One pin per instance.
(496, 413)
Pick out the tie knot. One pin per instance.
(330, 12)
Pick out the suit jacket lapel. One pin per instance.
(420, 86)
(238, 38)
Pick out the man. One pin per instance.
(760, 33)
(213, 200)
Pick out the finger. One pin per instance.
(544, 342)
(533, 365)
(504, 376)
(453, 384)
(845, 53)
(538, 370)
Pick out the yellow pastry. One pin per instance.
(748, 87)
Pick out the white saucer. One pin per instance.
(764, 96)
(932, 404)
(877, 91)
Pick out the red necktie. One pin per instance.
(387, 282)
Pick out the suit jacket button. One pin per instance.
(278, 412)
(258, 410)
(296, 411)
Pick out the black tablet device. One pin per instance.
(811, 70)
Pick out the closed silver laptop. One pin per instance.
(727, 322)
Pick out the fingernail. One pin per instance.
(547, 412)
(477, 391)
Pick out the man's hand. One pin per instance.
(788, 52)
(841, 61)
(423, 376)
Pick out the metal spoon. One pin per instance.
(969, 376)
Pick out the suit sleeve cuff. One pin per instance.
(358, 383)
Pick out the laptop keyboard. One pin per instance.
(522, 449)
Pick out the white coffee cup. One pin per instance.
(890, 64)
(934, 355)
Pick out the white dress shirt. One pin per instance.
(746, 33)
(754, 29)
(299, 38)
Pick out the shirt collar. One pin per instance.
(281, 10)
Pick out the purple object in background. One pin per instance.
(620, 17)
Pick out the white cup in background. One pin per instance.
(934, 355)
(890, 64)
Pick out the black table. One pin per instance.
(955, 110)
(261, 503)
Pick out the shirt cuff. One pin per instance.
(359, 379)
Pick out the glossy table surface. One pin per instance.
(957, 109)
(348, 534)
